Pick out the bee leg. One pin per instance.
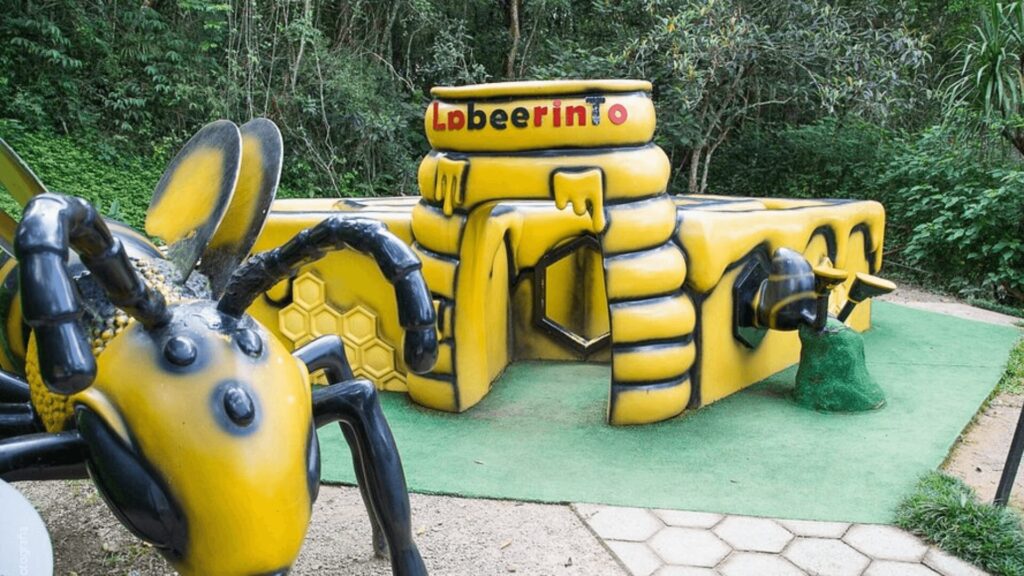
(18, 418)
(354, 404)
(12, 388)
(327, 353)
(380, 542)
(59, 456)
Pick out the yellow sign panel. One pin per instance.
(486, 119)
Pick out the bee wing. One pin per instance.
(7, 228)
(192, 196)
(262, 156)
(17, 177)
(135, 242)
(22, 183)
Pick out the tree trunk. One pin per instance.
(704, 172)
(707, 159)
(513, 25)
(694, 169)
(307, 8)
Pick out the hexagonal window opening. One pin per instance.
(570, 301)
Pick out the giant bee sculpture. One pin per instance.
(139, 367)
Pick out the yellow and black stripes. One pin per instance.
(439, 234)
(651, 317)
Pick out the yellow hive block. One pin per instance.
(559, 242)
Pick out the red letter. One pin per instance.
(556, 114)
(538, 115)
(618, 114)
(437, 125)
(456, 119)
(575, 115)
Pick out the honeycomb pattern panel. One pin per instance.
(310, 315)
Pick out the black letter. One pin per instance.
(498, 119)
(520, 117)
(595, 104)
(477, 118)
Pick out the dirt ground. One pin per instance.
(979, 456)
(456, 537)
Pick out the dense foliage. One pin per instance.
(957, 213)
(913, 102)
(347, 81)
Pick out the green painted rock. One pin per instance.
(833, 376)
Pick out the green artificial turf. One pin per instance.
(540, 434)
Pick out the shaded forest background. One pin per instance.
(916, 103)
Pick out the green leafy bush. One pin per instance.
(946, 512)
(826, 159)
(954, 201)
(958, 213)
(119, 184)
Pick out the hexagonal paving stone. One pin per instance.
(585, 510)
(815, 529)
(308, 291)
(294, 322)
(685, 519)
(324, 321)
(633, 524)
(759, 564)
(689, 547)
(378, 358)
(949, 565)
(826, 556)
(637, 557)
(753, 534)
(885, 543)
(360, 325)
(889, 568)
(685, 571)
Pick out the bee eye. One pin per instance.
(235, 408)
(238, 406)
(249, 342)
(180, 351)
(136, 493)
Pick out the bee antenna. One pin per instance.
(51, 224)
(396, 261)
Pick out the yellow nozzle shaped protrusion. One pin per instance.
(864, 286)
(826, 278)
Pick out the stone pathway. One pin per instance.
(676, 543)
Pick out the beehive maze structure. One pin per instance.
(546, 232)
